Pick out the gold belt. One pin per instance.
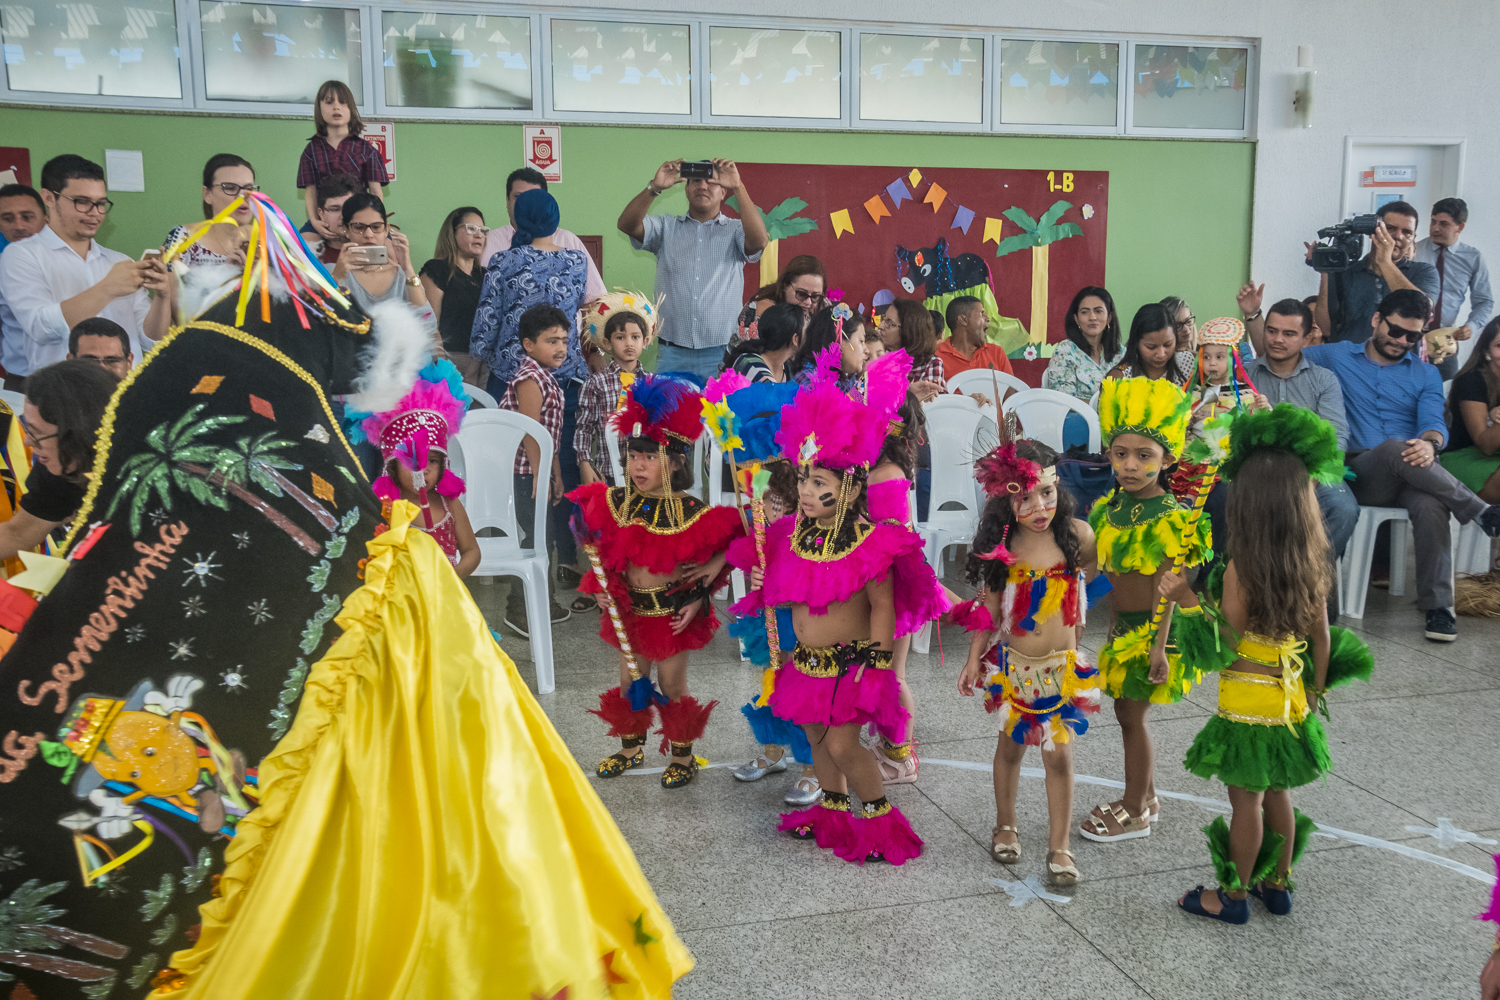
(652, 602)
(835, 660)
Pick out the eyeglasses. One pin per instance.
(31, 434)
(234, 190)
(111, 362)
(1400, 333)
(86, 205)
(803, 295)
(1185, 324)
(476, 230)
(361, 228)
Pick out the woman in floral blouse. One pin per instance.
(1092, 346)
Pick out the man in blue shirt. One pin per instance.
(1347, 298)
(1462, 274)
(1394, 404)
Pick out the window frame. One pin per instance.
(192, 71)
(1252, 82)
(201, 100)
(695, 97)
(1118, 128)
(843, 121)
(986, 97)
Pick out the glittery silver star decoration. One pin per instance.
(259, 613)
(319, 433)
(182, 649)
(193, 608)
(112, 884)
(241, 539)
(159, 516)
(233, 680)
(135, 633)
(10, 858)
(201, 570)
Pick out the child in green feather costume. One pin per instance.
(1141, 531)
(1266, 738)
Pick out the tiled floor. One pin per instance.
(765, 916)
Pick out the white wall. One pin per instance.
(1385, 68)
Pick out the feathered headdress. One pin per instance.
(597, 312)
(757, 418)
(824, 426)
(418, 425)
(1153, 408)
(1287, 428)
(660, 408)
(1003, 472)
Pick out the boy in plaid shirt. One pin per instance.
(533, 392)
(621, 325)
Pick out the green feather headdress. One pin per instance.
(1287, 428)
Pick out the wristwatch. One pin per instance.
(414, 280)
(652, 191)
(1253, 316)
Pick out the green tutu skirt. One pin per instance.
(1257, 758)
(1194, 646)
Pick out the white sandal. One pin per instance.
(1097, 826)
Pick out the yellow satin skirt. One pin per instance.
(423, 830)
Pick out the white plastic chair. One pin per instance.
(1042, 413)
(15, 400)
(1361, 550)
(616, 461)
(984, 380)
(481, 397)
(1471, 549)
(951, 424)
(489, 439)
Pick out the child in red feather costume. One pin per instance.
(662, 552)
(854, 587)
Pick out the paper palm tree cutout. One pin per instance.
(178, 460)
(782, 222)
(1038, 236)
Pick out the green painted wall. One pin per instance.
(1180, 211)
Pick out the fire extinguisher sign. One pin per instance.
(542, 149)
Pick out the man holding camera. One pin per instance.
(1394, 404)
(1461, 273)
(700, 260)
(1347, 298)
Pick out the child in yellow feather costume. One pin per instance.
(1141, 531)
(423, 830)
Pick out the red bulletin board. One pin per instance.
(867, 216)
(17, 158)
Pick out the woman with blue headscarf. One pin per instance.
(536, 271)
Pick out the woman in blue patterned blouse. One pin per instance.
(1092, 346)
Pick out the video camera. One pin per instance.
(1342, 244)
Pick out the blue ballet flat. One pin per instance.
(1234, 911)
(1278, 899)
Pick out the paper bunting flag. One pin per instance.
(935, 196)
(877, 209)
(915, 176)
(841, 223)
(992, 230)
(897, 190)
(963, 219)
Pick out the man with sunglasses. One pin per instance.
(61, 276)
(1394, 404)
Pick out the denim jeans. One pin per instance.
(702, 361)
(560, 535)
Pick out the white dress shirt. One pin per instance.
(38, 274)
(499, 239)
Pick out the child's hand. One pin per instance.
(1259, 402)
(968, 679)
(1161, 668)
(586, 474)
(757, 577)
(1173, 587)
(685, 617)
(707, 572)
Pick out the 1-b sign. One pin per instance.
(541, 146)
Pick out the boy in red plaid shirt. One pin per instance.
(533, 392)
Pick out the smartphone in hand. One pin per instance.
(691, 169)
(369, 256)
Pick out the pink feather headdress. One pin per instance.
(824, 426)
(1002, 471)
(409, 432)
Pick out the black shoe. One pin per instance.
(568, 578)
(1441, 625)
(515, 616)
(1489, 521)
(559, 613)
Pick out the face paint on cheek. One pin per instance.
(1148, 471)
(826, 499)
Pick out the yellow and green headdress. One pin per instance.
(1153, 408)
(1287, 428)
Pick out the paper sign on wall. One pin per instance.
(541, 147)
(382, 135)
(124, 169)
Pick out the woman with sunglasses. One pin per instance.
(366, 225)
(225, 178)
(60, 424)
(803, 283)
(453, 280)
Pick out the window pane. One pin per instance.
(632, 68)
(456, 60)
(921, 78)
(774, 73)
(114, 49)
(1059, 83)
(278, 54)
(1184, 86)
